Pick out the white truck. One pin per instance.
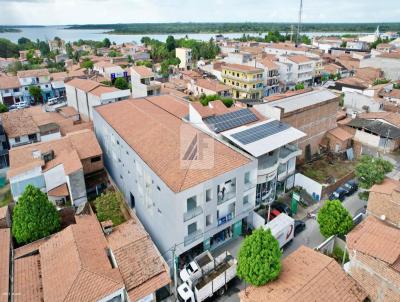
(202, 263)
(214, 281)
(282, 228)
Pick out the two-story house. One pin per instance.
(246, 82)
(83, 95)
(301, 68)
(35, 77)
(191, 191)
(58, 167)
(185, 56)
(10, 90)
(143, 83)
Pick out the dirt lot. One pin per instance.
(326, 172)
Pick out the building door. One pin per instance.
(308, 152)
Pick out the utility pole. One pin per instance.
(299, 24)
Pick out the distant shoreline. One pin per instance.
(246, 27)
(9, 30)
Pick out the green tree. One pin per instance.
(3, 108)
(299, 86)
(205, 99)
(44, 48)
(334, 219)
(87, 63)
(170, 43)
(372, 170)
(106, 43)
(36, 92)
(259, 258)
(8, 49)
(23, 40)
(34, 216)
(108, 207)
(121, 83)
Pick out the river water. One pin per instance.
(71, 35)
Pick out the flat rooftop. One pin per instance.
(303, 100)
(261, 138)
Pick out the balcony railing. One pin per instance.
(192, 213)
(222, 198)
(242, 79)
(225, 219)
(193, 237)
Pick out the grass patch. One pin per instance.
(108, 206)
(322, 171)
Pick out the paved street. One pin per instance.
(310, 237)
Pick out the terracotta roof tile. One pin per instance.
(33, 73)
(341, 134)
(171, 104)
(83, 142)
(98, 91)
(18, 123)
(27, 280)
(386, 187)
(7, 82)
(212, 85)
(143, 125)
(84, 85)
(242, 68)
(307, 275)
(299, 59)
(5, 252)
(142, 267)
(390, 117)
(143, 71)
(377, 239)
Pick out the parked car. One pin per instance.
(351, 187)
(52, 101)
(273, 214)
(339, 194)
(281, 207)
(299, 226)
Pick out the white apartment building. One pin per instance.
(185, 55)
(36, 77)
(300, 69)
(285, 48)
(189, 189)
(83, 95)
(143, 83)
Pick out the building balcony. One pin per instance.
(222, 198)
(287, 152)
(248, 89)
(193, 237)
(227, 218)
(248, 186)
(192, 213)
(267, 165)
(242, 79)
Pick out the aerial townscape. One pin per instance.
(199, 151)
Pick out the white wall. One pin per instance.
(54, 177)
(311, 186)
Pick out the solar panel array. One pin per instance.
(259, 132)
(230, 120)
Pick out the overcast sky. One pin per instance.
(60, 12)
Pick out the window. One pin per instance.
(246, 200)
(32, 136)
(208, 195)
(209, 220)
(247, 178)
(17, 139)
(95, 159)
(191, 203)
(192, 228)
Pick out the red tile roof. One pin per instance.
(5, 253)
(307, 275)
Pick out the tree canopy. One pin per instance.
(36, 92)
(372, 170)
(205, 99)
(121, 83)
(87, 63)
(34, 216)
(259, 258)
(334, 219)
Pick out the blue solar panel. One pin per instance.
(230, 120)
(259, 132)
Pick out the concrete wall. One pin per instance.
(77, 188)
(54, 177)
(390, 67)
(311, 186)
